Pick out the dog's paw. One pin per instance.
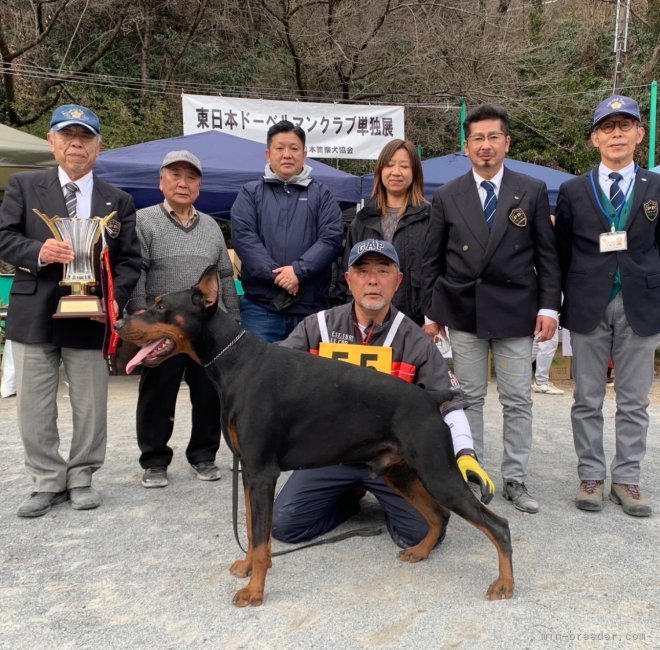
(247, 596)
(500, 589)
(241, 568)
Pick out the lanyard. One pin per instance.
(596, 186)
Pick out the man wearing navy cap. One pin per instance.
(314, 501)
(41, 343)
(608, 235)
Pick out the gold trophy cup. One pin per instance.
(82, 234)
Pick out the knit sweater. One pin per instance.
(174, 257)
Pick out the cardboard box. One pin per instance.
(235, 262)
(561, 366)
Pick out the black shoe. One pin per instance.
(155, 477)
(207, 470)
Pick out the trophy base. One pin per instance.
(79, 307)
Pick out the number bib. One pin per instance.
(369, 356)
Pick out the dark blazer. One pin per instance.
(35, 292)
(491, 285)
(587, 273)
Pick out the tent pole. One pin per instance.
(653, 111)
(461, 119)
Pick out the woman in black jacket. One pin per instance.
(396, 212)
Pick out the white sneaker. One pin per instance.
(548, 389)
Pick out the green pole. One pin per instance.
(652, 120)
(461, 119)
(419, 151)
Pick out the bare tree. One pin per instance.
(25, 40)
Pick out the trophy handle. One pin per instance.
(103, 223)
(50, 222)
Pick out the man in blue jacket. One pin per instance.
(287, 232)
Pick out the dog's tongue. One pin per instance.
(137, 359)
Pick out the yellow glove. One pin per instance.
(472, 471)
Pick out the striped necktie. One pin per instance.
(70, 199)
(616, 195)
(490, 204)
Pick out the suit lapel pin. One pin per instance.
(518, 217)
(517, 198)
(651, 210)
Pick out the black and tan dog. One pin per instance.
(284, 409)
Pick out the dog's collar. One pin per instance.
(217, 356)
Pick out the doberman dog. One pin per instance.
(285, 409)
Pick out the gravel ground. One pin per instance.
(149, 568)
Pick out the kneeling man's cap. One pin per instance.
(374, 246)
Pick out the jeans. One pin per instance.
(267, 324)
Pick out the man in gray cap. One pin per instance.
(41, 343)
(608, 234)
(178, 243)
(314, 501)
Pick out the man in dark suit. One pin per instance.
(40, 342)
(491, 275)
(608, 235)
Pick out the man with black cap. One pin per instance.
(39, 342)
(314, 501)
(178, 243)
(608, 235)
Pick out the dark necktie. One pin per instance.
(490, 204)
(616, 195)
(70, 199)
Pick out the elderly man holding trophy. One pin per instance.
(72, 239)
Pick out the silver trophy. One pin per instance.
(82, 234)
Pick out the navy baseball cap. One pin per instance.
(616, 105)
(374, 246)
(72, 114)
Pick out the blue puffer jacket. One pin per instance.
(273, 224)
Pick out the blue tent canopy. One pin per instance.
(441, 170)
(228, 163)
(656, 169)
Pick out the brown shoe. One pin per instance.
(590, 496)
(630, 498)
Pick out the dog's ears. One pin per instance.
(209, 287)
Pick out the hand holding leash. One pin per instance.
(472, 471)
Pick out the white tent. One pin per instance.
(21, 151)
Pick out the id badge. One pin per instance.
(613, 241)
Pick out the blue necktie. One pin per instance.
(490, 204)
(616, 195)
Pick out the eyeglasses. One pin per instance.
(493, 138)
(609, 125)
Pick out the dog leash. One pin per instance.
(367, 531)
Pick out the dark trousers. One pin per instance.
(314, 501)
(156, 405)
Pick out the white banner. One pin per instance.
(333, 130)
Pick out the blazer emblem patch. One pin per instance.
(518, 217)
(113, 227)
(651, 210)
